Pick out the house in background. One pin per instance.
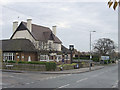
(31, 42)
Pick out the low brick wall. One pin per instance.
(26, 67)
(65, 68)
(86, 64)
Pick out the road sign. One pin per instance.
(105, 58)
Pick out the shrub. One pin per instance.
(95, 59)
(85, 58)
(22, 62)
(75, 57)
(83, 62)
(50, 66)
(11, 61)
(105, 61)
(36, 62)
(32, 62)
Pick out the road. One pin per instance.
(102, 78)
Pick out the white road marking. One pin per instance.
(50, 77)
(81, 80)
(64, 86)
(32, 82)
(54, 77)
(15, 77)
(27, 83)
(68, 74)
(116, 84)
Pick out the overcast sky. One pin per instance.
(74, 20)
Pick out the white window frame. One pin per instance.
(59, 57)
(8, 54)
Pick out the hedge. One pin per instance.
(11, 61)
(32, 62)
(87, 57)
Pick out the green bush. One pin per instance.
(11, 61)
(85, 58)
(22, 62)
(32, 62)
(105, 61)
(75, 57)
(50, 66)
(36, 62)
(95, 59)
(83, 62)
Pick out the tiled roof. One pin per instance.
(65, 50)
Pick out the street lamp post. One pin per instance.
(71, 48)
(90, 51)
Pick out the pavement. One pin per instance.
(73, 71)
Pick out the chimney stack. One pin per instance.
(29, 24)
(15, 25)
(54, 30)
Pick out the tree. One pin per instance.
(114, 3)
(104, 46)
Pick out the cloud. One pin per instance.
(5, 2)
(73, 20)
(1, 23)
(65, 9)
(63, 24)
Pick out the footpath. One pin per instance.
(73, 71)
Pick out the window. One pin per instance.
(59, 57)
(8, 56)
(66, 57)
(43, 57)
(18, 56)
(50, 45)
(22, 56)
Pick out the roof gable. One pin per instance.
(22, 27)
(39, 33)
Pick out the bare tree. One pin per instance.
(104, 46)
